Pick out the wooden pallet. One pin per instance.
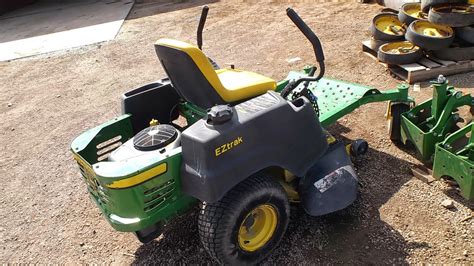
(426, 68)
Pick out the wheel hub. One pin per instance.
(257, 228)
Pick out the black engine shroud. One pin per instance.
(264, 131)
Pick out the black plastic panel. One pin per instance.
(148, 234)
(264, 131)
(186, 77)
(156, 100)
(330, 184)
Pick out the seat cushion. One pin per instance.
(196, 80)
(240, 85)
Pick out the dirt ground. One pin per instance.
(47, 217)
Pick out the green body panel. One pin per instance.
(338, 98)
(132, 208)
(454, 157)
(86, 144)
(431, 121)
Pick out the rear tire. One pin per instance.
(407, 18)
(221, 223)
(444, 14)
(382, 19)
(428, 42)
(466, 34)
(412, 55)
(394, 121)
(455, 53)
(427, 4)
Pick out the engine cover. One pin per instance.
(262, 132)
(154, 139)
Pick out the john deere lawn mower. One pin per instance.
(250, 146)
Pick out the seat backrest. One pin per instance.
(190, 72)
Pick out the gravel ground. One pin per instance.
(46, 101)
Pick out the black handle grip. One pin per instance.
(202, 21)
(318, 52)
(318, 49)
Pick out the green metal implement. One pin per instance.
(454, 157)
(431, 121)
(431, 127)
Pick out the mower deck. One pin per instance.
(338, 98)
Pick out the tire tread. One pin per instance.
(213, 214)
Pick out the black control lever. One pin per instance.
(308, 33)
(317, 47)
(202, 21)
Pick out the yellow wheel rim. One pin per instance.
(432, 30)
(399, 48)
(257, 227)
(389, 25)
(414, 10)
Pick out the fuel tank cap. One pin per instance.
(219, 114)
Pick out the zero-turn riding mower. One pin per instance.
(250, 147)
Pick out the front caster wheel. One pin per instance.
(358, 147)
(247, 224)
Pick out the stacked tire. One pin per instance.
(459, 15)
(388, 39)
(444, 28)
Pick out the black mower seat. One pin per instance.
(198, 82)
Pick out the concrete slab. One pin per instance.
(52, 25)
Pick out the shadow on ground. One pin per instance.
(356, 235)
(52, 16)
(146, 8)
